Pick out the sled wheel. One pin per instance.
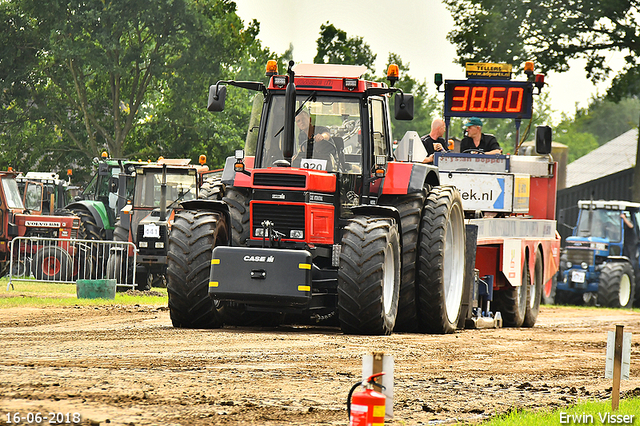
(534, 293)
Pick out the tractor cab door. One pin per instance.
(632, 238)
(34, 200)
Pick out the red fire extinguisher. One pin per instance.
(366, 408)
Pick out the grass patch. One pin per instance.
(590, 412)
(40, 294)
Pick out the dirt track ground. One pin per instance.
(123, 365)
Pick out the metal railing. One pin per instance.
(66, 261)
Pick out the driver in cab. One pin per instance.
(477, 142)
(313, 142)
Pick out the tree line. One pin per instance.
(79, 77)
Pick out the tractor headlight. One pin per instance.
(569, 265)
(259, 232)
(297, 234)
(143, 244)
(160, 245)
(584, 265)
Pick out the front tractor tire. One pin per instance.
(193, 236)
(441, 262)
(238, 201)
(369, 276)
(615, 289)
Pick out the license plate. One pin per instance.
(151, 231)
(578, 276)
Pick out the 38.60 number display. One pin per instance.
(481, 98)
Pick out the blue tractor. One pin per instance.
(600, 261)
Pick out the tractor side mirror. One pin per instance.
(113, 184)
(404, 106)
(543, 140)
(217, 96)
(103, 169)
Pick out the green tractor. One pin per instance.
(103, 198)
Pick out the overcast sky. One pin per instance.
(414, 29)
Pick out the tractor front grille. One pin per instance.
(150, 243)
(577, 256)
(283, 180)
(285, 217)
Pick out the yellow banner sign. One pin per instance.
(484, 70)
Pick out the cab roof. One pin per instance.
(329, 70)
(608, 205)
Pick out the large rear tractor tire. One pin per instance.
(89, 229)
(193, 236)
(238, 201)
(369, 276)
(534, 295)
(441, 261)
(52, 263)
(616, 286)
(512, 302)
(211, 189)
(410, 209)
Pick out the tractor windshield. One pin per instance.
(180, 187)
(12, 194)
(604, 224)
(327, 133)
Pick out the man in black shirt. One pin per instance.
(314, 142)
(433, 141)
(478, 142)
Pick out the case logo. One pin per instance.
(260, 259)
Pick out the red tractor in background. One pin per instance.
(327, 229)
(46, 259)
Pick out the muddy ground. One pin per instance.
(126, 365)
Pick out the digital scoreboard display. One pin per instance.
(488, 99)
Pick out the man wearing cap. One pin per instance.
(478, 142)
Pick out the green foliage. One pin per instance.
(551, 33)
(625, 85)
(599, 123)
(607, 120)
(334, 47)
(77, 77)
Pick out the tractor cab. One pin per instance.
(44, 192)
(159, 189)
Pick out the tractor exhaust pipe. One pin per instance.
(163, 194)
(289, 114)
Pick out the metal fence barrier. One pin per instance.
(66, 261)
